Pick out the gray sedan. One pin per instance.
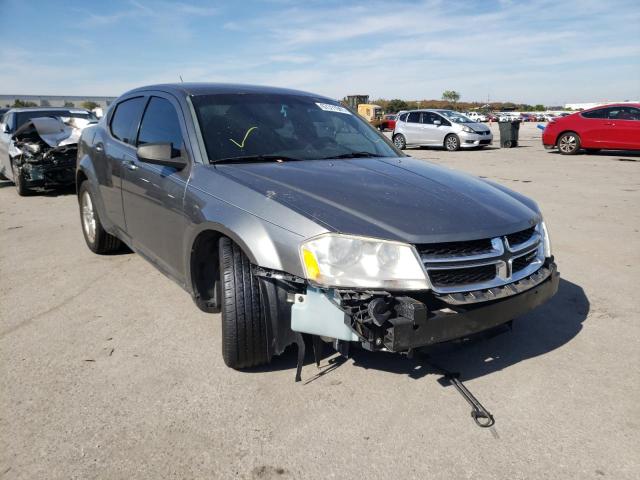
(291, 215)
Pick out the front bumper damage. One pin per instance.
(402, 321)
(54, 168)
(45, 151)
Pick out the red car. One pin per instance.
(612, 127)
(388, 122)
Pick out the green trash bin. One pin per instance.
(509, 134)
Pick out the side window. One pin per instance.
(443, 121)
(125, 119)
(160, 124)
(403, 117)
(428, 118)
(623, 113)
(599, 113)
(10, 121)
(413, 117)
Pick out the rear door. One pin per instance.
(413, 129)
(153, 194)
(112, 151)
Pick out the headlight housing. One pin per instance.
(468, 129)
(336, 260)
(546, 242)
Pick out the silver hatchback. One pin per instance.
(440, 128)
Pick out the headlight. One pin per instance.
(468, 129)
(336, 260)
(542, 230)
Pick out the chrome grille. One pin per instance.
(456, 249)
(482, 264)
(521, 236)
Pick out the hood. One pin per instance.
(477, 126)
(52, 130)
(393, 198)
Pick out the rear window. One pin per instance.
(124, 121)
(600, 113)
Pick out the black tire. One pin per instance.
(399, 141)
(592, 150)
(452, 143)
(244, 329)
(98, 241)
(568, 143)
(20, 183)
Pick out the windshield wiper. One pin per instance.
(353, 155)
(255, 158)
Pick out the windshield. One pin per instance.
(455, 117)
(64, 115)
(291, 126)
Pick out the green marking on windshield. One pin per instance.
(241, 145)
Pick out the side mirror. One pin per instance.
(437, 123)
(160, 154)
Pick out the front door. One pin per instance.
(153, 195)
(624, 127)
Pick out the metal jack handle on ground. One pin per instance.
(480, 415)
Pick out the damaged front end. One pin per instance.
(470, 287)
(44, 152)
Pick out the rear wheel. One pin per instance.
(244, 329)
(569, 143)
(97, 238)
(399, 141)
(452, 143)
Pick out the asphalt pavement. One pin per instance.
(109, 371)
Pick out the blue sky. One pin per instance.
(536, 51)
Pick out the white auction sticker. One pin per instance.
(333, 108)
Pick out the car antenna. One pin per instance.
(181, 80)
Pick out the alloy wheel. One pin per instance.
(88, 217)
(452, 143)
(568, 144)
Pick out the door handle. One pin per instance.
(130, 165)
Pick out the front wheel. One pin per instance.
(20, 183)
(97, 238)
(452, 143)
(400, 142)
(244, 328)
(569, 143)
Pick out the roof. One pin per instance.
(195, 89)
(47, 109)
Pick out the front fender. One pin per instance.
(264, 243)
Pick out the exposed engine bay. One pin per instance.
(44, 150)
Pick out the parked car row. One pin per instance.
(265, 204)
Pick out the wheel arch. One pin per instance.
(203, 264)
